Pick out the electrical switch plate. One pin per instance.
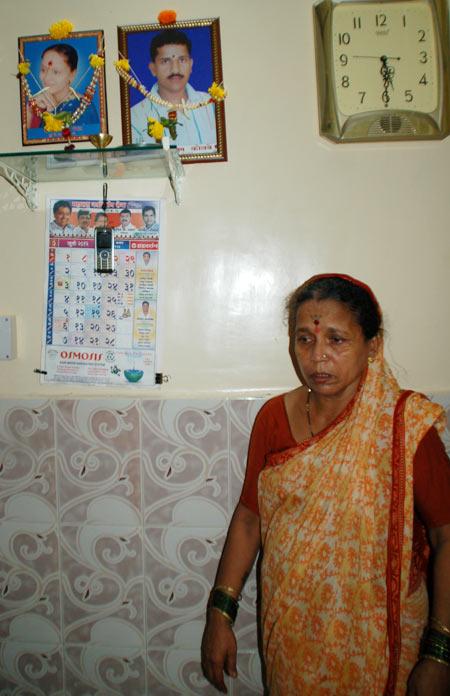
(7, 338)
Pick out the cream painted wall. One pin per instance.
(287, 204)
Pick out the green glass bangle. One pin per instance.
(426, 656)
(431, 648)
(437, 635)
(225, 603)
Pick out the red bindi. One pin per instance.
(316, 322)
(50, 62)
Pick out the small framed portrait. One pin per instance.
(62, 87)
(169, 70)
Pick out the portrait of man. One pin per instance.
(144, 312)
(125, 221)
(149, 219)
(83, 228)
(176, 65)
(60, 224)
(101, 219)
(146, 258)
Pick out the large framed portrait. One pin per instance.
(62, 89)
(170, 70)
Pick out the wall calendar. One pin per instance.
(101, 327)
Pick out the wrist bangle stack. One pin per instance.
(439, 626)
(223, 601)
(435, 643)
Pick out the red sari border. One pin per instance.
(395, 543)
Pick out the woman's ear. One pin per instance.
(374, 346)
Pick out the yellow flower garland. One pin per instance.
(60, 30)
(96, 61)
(155, 129)
(51, 123)
(24, 67)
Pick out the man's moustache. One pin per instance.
(176, 75)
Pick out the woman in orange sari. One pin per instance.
(343, 476)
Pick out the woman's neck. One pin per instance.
(62, 97)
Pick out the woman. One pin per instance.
(341, 474)
(57, 73)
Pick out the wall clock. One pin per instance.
(382, 69)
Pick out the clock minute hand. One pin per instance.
(387, 73)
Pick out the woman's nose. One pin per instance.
(319, 352)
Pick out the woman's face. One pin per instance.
(330, 348)
(55, 73)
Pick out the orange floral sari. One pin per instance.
(337, 524)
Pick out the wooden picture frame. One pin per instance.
(54, 66)
(200, 132)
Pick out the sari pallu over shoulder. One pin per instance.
(326, 506)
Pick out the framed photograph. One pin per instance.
(171, 69)
(62, 87)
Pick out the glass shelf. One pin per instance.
(24, 170)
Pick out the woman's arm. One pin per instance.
(430, 677)
(241, 548)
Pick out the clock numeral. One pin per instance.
(404, 20)
(424, 57)
(380, 20)
(356, 22)
(345, 82)
(363, 94)
(344, 38)
(422, 34)
(343, 58)
(423, 80)
(408, 95)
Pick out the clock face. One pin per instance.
(385, 57)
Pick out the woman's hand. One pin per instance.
(429, 678)
(219, 650)
(44, 101)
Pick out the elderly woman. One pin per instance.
(347, 480)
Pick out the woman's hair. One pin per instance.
(356, 296)
(68, 52)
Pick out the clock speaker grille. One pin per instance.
(391, 124)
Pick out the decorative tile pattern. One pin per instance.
(113, 514)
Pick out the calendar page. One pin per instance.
(100, 328)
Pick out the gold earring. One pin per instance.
(370, 359)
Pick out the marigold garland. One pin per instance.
(24, 67)
(155, 129)
(123, 67)
(122, 64)
(52, 124)
(167, 17)
(217, 92)
(60, 30)
(96, 61)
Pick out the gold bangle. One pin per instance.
(424, 656)
(440, 625)
(229, 591)
(224, 613)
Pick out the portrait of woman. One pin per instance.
(347, 488)
(61, 83)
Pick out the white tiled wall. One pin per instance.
(113, 515)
